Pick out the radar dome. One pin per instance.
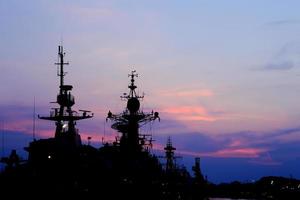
(133, 105)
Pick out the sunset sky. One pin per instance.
(223, 74)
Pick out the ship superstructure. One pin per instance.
(63, 165)
(170, 156)
(131, 119)
(64, 116)
(64, 147)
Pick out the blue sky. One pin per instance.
(224, 75)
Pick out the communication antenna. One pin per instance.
(104, 132)
(60, 69)
(61, 40)
(2, 143)
(2, 139)
(33, 120)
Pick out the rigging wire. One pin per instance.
(33, 119)
(2, 139)
(104, 131)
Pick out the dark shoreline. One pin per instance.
(271, 187)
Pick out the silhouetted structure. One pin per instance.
(269, 187)
(12, 161)
(64, 146)
(170, 157)
(63, 165)
(129, 121)
(65, 118)
(197, 172)
(125, 169)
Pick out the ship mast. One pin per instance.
(61, 64)
(65, 118)
(129, 121)
(170, 156)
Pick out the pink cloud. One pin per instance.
(158, 146)
(46, 133)
(228, 153)
(239, 153)
(235, 143)
(223, 153)
(196, 113)
(23, 125)
(231, 152)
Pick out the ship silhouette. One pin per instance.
(123, 169)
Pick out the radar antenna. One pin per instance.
(129, 121)
(64, 116)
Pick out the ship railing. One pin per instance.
(56, 113)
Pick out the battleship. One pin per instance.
(62, 166)
(125, 168)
